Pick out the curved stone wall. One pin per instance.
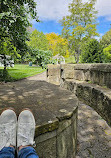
(59, 139)
(55, 112)
(97, 97)
(90, 82)
(94, 73)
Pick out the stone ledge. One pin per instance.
(96, 66)
(96, 73)
(55, 112)
(94, 95)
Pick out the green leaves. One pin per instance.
(79, 25)
(107, 54)
(38, 40)
(92, 52)
(14, 19)
(39, 57)
(106, 39)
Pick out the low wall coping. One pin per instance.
(49, 103)
(105, 67)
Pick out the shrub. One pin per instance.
(92, 52)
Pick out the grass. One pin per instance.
(21, 71)
(70, 60)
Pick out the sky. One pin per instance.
(51, 11)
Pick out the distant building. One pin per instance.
(9, 61)
(59, 59)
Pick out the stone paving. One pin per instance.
(94, 134)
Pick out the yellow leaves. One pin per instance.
(57, 44)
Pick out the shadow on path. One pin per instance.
(94, 135)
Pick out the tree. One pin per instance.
(92, 52)
(79, 25)
(107, 54)
(38, 40)
(39, 57)
(14, 20)
(106, 39)
(57, 44)
(7, 49)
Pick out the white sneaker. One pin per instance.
(8, 122)
(26, 128)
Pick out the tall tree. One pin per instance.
(92, 52)
(57, 44)
(38, 40)
(106, 39)
(107, 54)
(79, 25)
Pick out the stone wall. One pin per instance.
(55, 112)
(97, 97)
(91, 83)
(94, 73)
(59, 139)
(53, 74)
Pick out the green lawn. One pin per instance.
(22, 71)
(70, 60)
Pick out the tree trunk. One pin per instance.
(76, 56)
(5, 73)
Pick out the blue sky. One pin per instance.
(51, 11)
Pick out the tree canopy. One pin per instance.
(38, 40)
(107, 54)
(79, 25)
(92, 52)
(14, 20)
(57, 44)
(106, 39)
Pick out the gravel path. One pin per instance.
(40, 77)
(94, 134)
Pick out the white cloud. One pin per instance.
(56, 9)
(52, 9)
(103, 7)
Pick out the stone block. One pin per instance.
(87, 76)
(53, 74)
(65, 144)
(107, 79)
(47, 148)
(79, 75)
(67, 71)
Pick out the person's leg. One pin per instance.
(7, 152)
(25, 135)
(27, 152)
(8, 122)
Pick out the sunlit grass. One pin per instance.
(70, 60)
(22, 71)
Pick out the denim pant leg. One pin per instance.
(7, 152)
(27, 152)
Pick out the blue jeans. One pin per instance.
(27, 152)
